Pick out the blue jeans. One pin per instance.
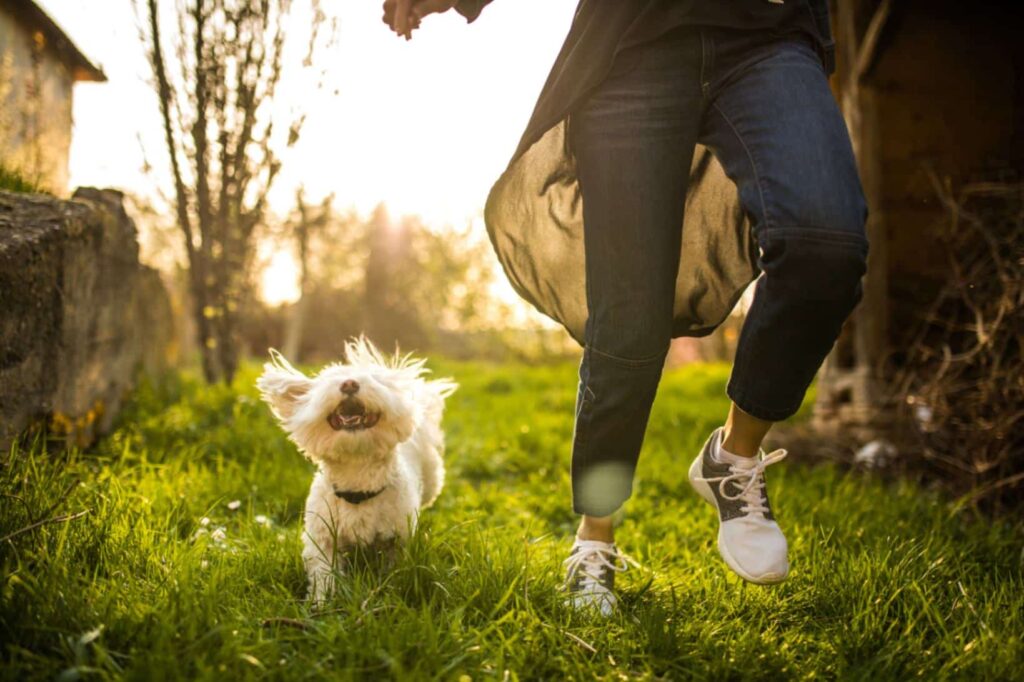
(761, 103)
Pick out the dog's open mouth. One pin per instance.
(351, 415)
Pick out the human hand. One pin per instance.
(402, 16)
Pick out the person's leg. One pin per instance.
(778, 132)
(633, 140)
(775, 126)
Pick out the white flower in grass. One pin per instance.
(204, 564)
(234, 504)
(263, 520)
(204, 522)
(219, 535)
(90, 636)
(200, 532)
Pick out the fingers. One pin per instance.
(404, 16)
(402, 25)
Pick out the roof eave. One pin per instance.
(88, 73)
(81, 68)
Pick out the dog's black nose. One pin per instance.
(349, 386)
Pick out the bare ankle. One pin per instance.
(596, 528)
(737, 446)
(743, 433)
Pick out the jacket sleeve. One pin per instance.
(471, 8)
(822, 22)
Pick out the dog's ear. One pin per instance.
(443, 387)
(282, 386)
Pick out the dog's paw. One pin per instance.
(321, 587)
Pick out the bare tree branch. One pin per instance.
(222, 136)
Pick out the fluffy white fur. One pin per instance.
(400, 453)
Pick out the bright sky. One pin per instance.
(425, 125)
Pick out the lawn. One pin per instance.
(184, 562)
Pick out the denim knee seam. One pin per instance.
(631, 362)
(817, 234)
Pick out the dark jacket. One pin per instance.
(534, 212)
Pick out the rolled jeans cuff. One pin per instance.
(769, 414)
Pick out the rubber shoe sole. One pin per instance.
(704, 490)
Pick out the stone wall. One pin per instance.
(79, 315)
(35, 105)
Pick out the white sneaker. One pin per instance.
(590, 574)
(749, 539)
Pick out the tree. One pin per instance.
(304, 226)
(221, 135)
(392, 272)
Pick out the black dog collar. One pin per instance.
(357, 496)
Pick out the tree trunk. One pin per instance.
(230, 58)
(297, 319)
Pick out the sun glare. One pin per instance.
(279, 283)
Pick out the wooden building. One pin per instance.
(931, 90)
(39, 66)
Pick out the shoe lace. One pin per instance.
(592, 560)
(750, 480)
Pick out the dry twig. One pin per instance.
(961, 384)
(63, 518)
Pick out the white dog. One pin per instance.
(373, 426)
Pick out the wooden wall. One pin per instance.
(930, 88)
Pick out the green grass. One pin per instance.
(13, 180)
(887, 582)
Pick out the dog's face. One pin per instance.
(347, 410)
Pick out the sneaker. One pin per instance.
(590, 574)
(749, 539)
